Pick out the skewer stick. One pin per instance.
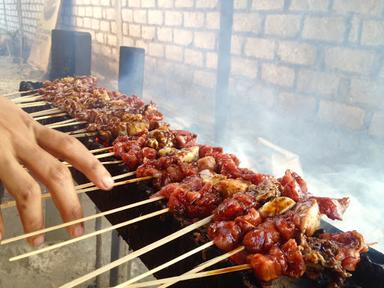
(138, 253)
(207, 264)
(117, 177)
(50, 116)
(29, 98)
(193, 276)
(53, 126)
(91, 217)
(78, 131)
(101, 149)
(46, 196)
(165, 265)
(61, 122)
(34, 104)
(89, 235)
(19, 92)
(45, 112)
(98, 156)
(112, 162)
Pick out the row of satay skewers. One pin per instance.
(262, 223)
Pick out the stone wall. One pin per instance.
(322, 60)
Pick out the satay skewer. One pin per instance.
(87, 218)
(29, 98)
(60, 122)
(86, 236)
(192, 276)
(138, 253)
(166, 264)
(50, 116)
(81, 135)
(206, 264)
(19, 92)
(53, 126)
(46, 196)
(46, 112)
(33, 104)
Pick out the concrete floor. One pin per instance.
(59, 266)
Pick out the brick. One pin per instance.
(259, 48)
(309, 5)
(109, 13)
(182, 37)
(127, 15)
(156, 49)
(141, 44)
(205, 40)
(373, 33)
(213, 20)
(315, 82)
(140, 16)
(128, 41)
(100, 37)
(297, 104)
(211, 60)
(350, 60)
(282, 25)
(79, 22)
(173, 52)
(204, 78)
(148, 32)
(105, 2)
(329, 29)
(134, 30)
(279, 75)
(267, 4)
(353, 36)
(183, 3)
(244, 67)
(236, 44)
(376, 127)
(367, 7)
(193, 57)
(342, 115)
(80, 11)
(148, 3)
(193, 19)
(97, 12)
(88, 11)
(173, 18)
(95, 24)
(87, 22)
(112, 40)
(296, 53)
(247, 22)
(367, 92)
(164, 34)
(134, 3)
(240, 4)
(155, 17)
(165, 3)
(206, 3)
(113, 27)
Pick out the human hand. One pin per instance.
(25, 142)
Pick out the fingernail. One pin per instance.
(1, 236)
(107, 182)
(38, 241)
(78, 231)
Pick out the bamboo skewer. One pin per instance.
(112, 162)
(34, 104)
(208, 264)
(53, 126)
(117, 177)
(50, 116)
(98, 156)
(138, 253)
(192, 276)
(91, 217)
(46, 196)
(101, 149)
(78, 131)
(19, 92)
(165, 265)
(86, 236)
(29, 98)
(45, 112)
(60, 122)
